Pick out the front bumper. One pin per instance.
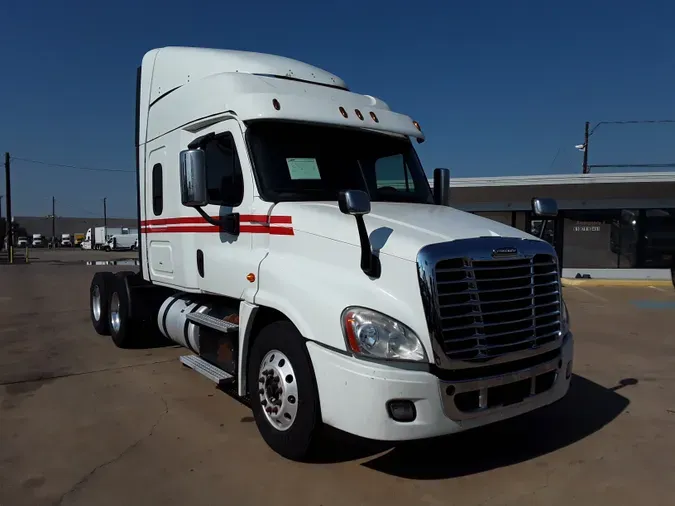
(354, 394)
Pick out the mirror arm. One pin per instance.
(229, 224)
(543, 228)
(370, 263)
(200, 141)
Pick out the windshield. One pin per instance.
(297, 162)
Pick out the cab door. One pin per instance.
(224, 260)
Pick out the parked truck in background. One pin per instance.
(66, 240)
(97, 237)
(22, 242)
(78, 238)
(38, 241)
(118, 242)
(274, 247)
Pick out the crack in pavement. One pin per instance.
(77, 486)
(82, 373)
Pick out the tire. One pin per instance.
(672, 273)
(99, 301)
(296, 438)
(123, 328)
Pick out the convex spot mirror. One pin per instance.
(354, 202)
(544, 207)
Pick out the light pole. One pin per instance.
(588, 131)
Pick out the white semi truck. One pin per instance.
(38, 241)
(275, 248)
(66, 240)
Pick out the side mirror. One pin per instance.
(193, 192)
(354, 202)
(442, 187)
(357, 203)
(544, 208)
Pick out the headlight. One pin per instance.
(565, 319)
(373, 334)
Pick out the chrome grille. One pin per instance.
(492, 307)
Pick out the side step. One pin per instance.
(212, 322)
(215, 374)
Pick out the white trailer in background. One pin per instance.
(274, 247)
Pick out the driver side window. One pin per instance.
(224, 179)
(392, 172)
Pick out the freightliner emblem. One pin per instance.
(504, 252)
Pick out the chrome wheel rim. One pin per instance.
(96, 302)
(115, 321)
(278, 390)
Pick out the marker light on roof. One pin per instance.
(276, 104)
(343, 112)
(358, 114)
(417, 125)
(372, 115)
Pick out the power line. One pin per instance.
(63, 165)
(636, 165)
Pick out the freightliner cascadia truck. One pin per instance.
(290, 240)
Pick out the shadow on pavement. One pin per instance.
(586, 409)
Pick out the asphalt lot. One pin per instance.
(82, 422)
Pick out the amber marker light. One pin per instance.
(250, 277)
(351, 335)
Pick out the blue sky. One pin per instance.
(500, 88)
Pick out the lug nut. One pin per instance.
(275, 410)
(261, 391)
(261, 380)
(263, 402)
(268, 409)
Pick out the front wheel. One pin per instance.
(283, 392)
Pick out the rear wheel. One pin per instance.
(283, 391)
(99, 296)
(123, 327)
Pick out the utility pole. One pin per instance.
(53, 222)
(8, 195)
(585, 166)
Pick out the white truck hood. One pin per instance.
(399, 230)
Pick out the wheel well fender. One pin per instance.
(252, 320)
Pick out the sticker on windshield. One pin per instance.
(303, 168)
